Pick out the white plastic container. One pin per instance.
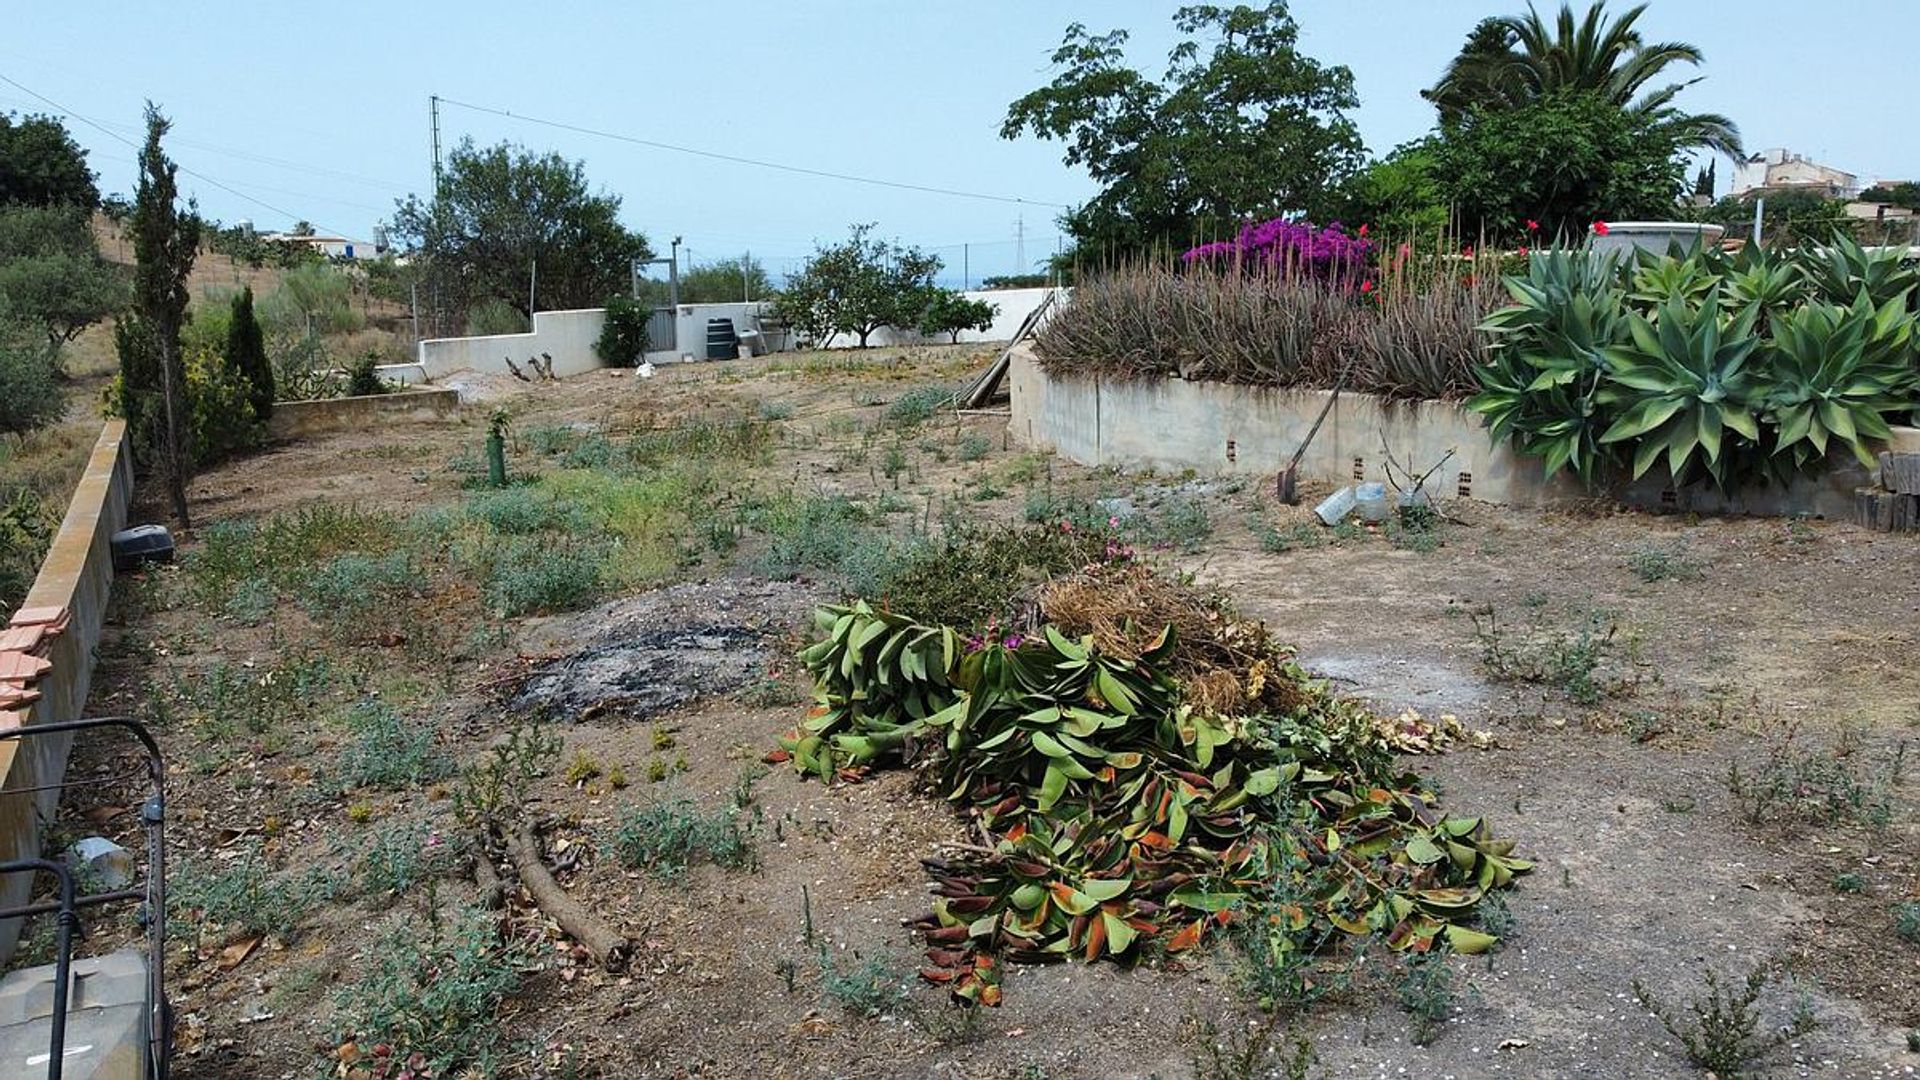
(1370, 502)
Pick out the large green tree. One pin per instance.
(1562, 162)
(504, 216)
(1512, 61)
(858, 286)
(51, 272)
(41, 165)
(166, 237)
(1250, 127)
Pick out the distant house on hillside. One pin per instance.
(1773, 171)
(333, 247)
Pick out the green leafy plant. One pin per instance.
(1724, 1033)
(1541, 385)
(1835, 373)
(1906, 921)
(1428, 993)
(1681, 384)
(624, 340)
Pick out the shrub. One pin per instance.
(312, 298)
(31, 395)
(434, 994)
(363, 376)
(1724, 1034)
(387, 750)
(623, 337)
(245, 896)
(1291, 248)
(220, 401)
(528, 577)
(246, 353)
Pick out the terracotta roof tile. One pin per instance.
(12, 718)
(16, 665)
(22, 638)
(37, 616)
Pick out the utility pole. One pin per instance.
(746, 283)
(966, 267)
(1020, 242)
(433, 119)
(533, 282)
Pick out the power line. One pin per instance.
(110, 133)
(738, 160)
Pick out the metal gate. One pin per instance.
(662, 325)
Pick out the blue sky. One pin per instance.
(319, 111)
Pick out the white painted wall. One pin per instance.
(690, 327)
(567, 336)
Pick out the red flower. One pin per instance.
(1600, 228)
(1467, 252)
(1532, 225)
(1363, 230)
(1366, 286)
(1523, 251)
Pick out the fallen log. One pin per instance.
(609, 948)
(492, 892)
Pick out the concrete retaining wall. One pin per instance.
(567, 336)
(293, 419)
(76, 579)
(1222, 428)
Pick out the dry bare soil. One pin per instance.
(1618, 706)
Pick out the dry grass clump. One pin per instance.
(1227, 665)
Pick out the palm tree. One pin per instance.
(1514, 59)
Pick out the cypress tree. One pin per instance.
(247, 354)
(165, 239)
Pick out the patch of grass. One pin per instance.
(829, 534)
(244, 897)
(387, 750)
(741, 439)
(1819, 784)
(1849, 883)
(973, 447)
(776, 410)
(1906, 921)
(527, 577)
(394, 858)
(1251, 1054)
(1417, 528)
(1182, 524)
(349, 586)
(1657, 563)
(668, 837)
(435, 994)
(1724, 1033)
(917, 406)
(523, 511)
(1295, 537)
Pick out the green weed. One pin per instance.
(668, 837)
(244, 896)
(387, 750)
(1654, 563)
(435, 994)
(1724, 1034)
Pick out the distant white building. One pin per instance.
(333, 247)
(1778, 170)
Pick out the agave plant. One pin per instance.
(1842, 269)
(1656, 278)
(1761, 279)
(1681, 384)
(1541, 385)
(1835, 373)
